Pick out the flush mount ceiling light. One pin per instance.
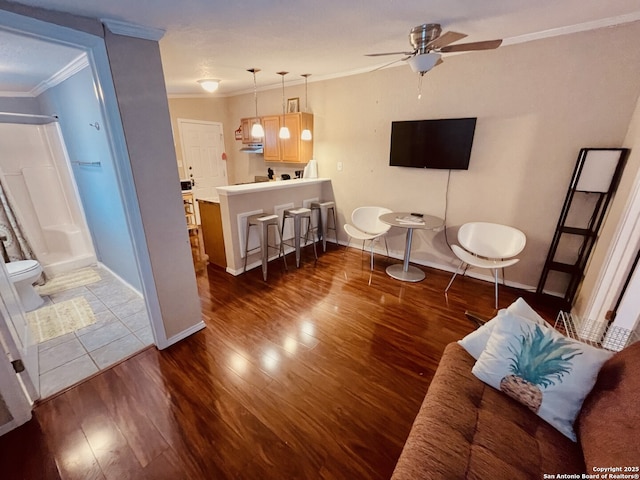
(209, 84)
(256, 129)
(306, 133)
(284, 131)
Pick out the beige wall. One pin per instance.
(537, 104)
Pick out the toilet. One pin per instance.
(23, 274)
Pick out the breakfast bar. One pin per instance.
(237, 202)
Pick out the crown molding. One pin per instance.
(580, 27)
(61, 75)
(131, 30)
(16, 95)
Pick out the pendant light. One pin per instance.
(284, 131)
(306, 133)
(256, 129)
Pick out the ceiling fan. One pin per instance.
(429, 43)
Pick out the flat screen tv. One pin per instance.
(444, 143)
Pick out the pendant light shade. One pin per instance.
(306, 133)
(284, 131)
(257, 131)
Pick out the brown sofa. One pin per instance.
(466, 429)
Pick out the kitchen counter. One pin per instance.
(237, 202)
(208, 199)
(271, 185)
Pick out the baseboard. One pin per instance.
(127, 284)
(182, 335)
(446, 268)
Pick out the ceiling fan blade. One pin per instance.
(445, 39)
(464, 47)
(387, 53)
(390, 63)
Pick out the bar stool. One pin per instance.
(297, 214)
(263, 221)
(323, 208)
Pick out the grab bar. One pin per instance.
(87, 164)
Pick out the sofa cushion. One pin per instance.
(466, 429)
(541, 368)
(609, 422)
(476, 341)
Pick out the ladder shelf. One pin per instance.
(595, 179)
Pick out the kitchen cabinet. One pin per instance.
(212, 234)
(293, 149)
(247, 124)
(271, 142)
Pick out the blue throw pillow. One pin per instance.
(539, 367)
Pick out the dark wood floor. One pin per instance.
(317, 373)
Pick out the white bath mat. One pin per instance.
(60, 318)
(78, 278)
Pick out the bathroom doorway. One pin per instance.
(90, 317)
(91, 173)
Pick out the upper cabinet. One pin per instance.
(271, 142)
(291, 150)
(247, 123)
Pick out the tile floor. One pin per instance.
(121, 329)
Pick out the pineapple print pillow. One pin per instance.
(540, 368)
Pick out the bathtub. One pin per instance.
(35, 171)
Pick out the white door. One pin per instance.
(15, 408)
(202, 153)
(629, 309)
(16, 340)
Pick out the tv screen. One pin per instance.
(442, 143)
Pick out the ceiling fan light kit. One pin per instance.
(423, 63)
(429, 43)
